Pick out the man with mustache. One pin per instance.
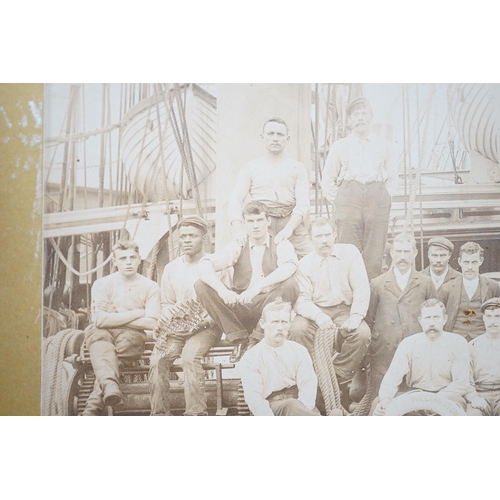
(359, 178)
(277, 374)
(432, 361)
(440, 250)
(484, 394)
(281, 183)
(334, 290)
(262, 271)
(394, 300)
(463, 298)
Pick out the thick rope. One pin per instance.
(323, 365)
(53, 322)
(363, 407)
(52, 373)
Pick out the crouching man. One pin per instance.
(124, 304)
(277, 374)
(432, 361)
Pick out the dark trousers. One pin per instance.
(284, 403)
(354, 344)
(300, 238)
(239, 321)
(362, 215)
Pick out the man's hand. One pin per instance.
(352, 323)
(247, 296)
(229, 297)
(480, 403)
(380, 409)
(324, 321)
(283, 235)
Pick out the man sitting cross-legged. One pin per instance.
(262, 271)
(177, 287)
(277, 374)
(124, 304)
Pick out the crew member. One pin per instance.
(124, 304)
(433, 361)
(484, 393)
(262, 271)
(279, 182)
(359, 178)
(277, 374)
(334, 290)
(463, 298)
(394, 299)
(177, 287)
(439, 253)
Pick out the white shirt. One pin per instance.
(402, 279)
(438, 280)
(471, 286)
(440, 365)
(484, 365)
(266, 369)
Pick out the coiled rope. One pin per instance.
(52, 373)
(323, 364)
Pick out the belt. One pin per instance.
(286, 393)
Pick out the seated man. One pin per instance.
(263, 270)
(484, 392)
(463, 297)
(277, 374)
(124, 304)
(440, 250)
(432, 361)
(177, 287)
(334, 289)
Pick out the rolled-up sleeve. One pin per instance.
(331, 173)
(304, 306)
(153, 302)
(302, 202)
(240, 193)
(358, 281)
(286, 253)
(391, 168)
(307, 381)
(224, 258)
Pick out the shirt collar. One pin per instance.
(334, 253)
(267, 242)
(355, 138)
(435, 276)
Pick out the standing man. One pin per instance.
(440, 250)
(394, 300)
(177, 287)
(484, 391)
(279, 182)
(262, 271)
(433, 361)
(277, 374)
(334, 289)
(124, 304)
(359, 178)
(463, 298)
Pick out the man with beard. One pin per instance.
(440, 250)
(394, 300)
(463, 298)
(359, 178)
(277, 374)
(432, 361)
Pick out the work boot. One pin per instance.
(107, 372)
(95, 402)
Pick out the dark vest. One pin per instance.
(469, 320)
(243, 267)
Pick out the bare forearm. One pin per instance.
(294, 221)
(279, 275)
(206, 273)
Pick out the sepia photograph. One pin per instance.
(271, 249)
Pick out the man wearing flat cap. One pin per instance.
(440, 251)
(463, 297)
(359, 178)
(177, 287)
(484, 392)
